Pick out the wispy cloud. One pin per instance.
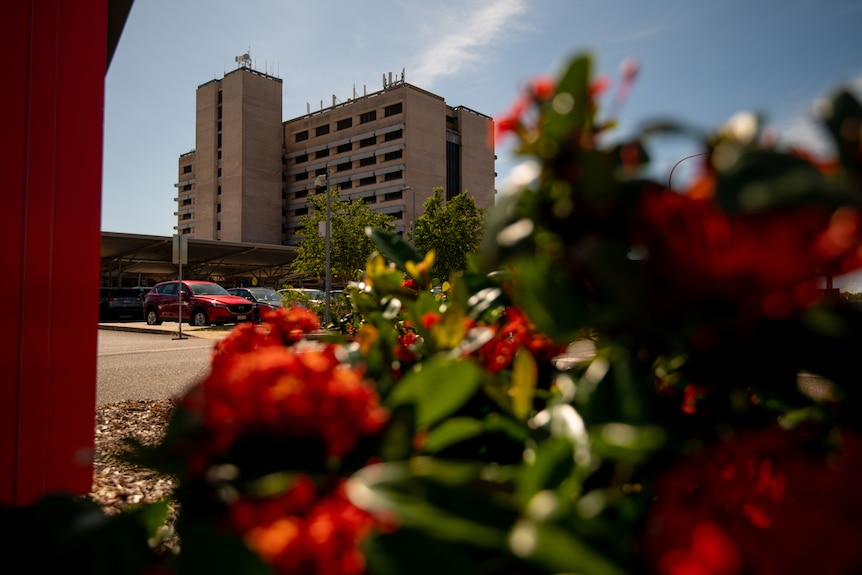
(464, 40)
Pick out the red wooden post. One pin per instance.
(51, 153)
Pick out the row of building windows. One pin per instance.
(367, 200)
(345, 166)
(347, 185)
(346, 123)
(342, 148)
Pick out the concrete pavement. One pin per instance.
(169, 327)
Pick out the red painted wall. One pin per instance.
(51, 153)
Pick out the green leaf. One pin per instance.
(625, 442)
(438, 388)
(393, 248)
(410, 551)
(524, 377)
(761, 180)
(452, 431)
(207, 549)
(551, 463)
(559, 550)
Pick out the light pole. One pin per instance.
(681, 161)
(412, 214)
(322, 180)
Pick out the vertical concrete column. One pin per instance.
(51, 110)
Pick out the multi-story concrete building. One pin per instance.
(250, 174)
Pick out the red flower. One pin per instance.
(275, 392)
(410, 283)
(297, 532)
(760, 502)
(766, 264)
(517, 331)
(280, 327)
(429, 319)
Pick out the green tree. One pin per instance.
(349, 244)
(453, 230)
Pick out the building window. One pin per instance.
(218, 225)
(368, 181)
(392, 176)
(219, 172)
(219, 125)
(343, 167)
(344, 148)
(301, 194)
(187, 169)
(301, 159)
(187, 216)
(394, 135)
(370, 199)
(219, 96)
(321, 130)
(301, 211)
(218, 154)
(393, 109)
(187, 188)
(218, 115)
(397, 215)
(393, 155)
(320, 172)
(368, 161)
(218, 208)
(187, 202)
(346, 185)
(344, 124)
(322, 153)
(393, 196)
(301, 176)
(302, 136)
(368, 117)
(367, 142)
(218, 139)
(218, 190)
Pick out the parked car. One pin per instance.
(305, 297)
(203, 303)
(119, 303)
(261, 296)
(142, 291)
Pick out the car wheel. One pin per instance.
(199, 318)
(153, 317)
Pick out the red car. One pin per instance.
(203, 303)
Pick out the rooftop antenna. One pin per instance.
(244, 60)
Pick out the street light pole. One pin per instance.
(327, 234)
(412, 214)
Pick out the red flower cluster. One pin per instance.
(517, 331)
(260, 389)
(404, 349)
(739, 506)
(280, 327)
(298, 532)
(768, 264)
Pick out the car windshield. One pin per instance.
(207, 289)
(124, 293)
(265, 294)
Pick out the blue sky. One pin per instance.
(700, 62)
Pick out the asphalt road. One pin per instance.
(149, 365)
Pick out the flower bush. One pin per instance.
(440, 432)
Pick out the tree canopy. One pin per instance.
(453, 229)
(349, 244)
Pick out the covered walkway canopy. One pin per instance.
(126, 258)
